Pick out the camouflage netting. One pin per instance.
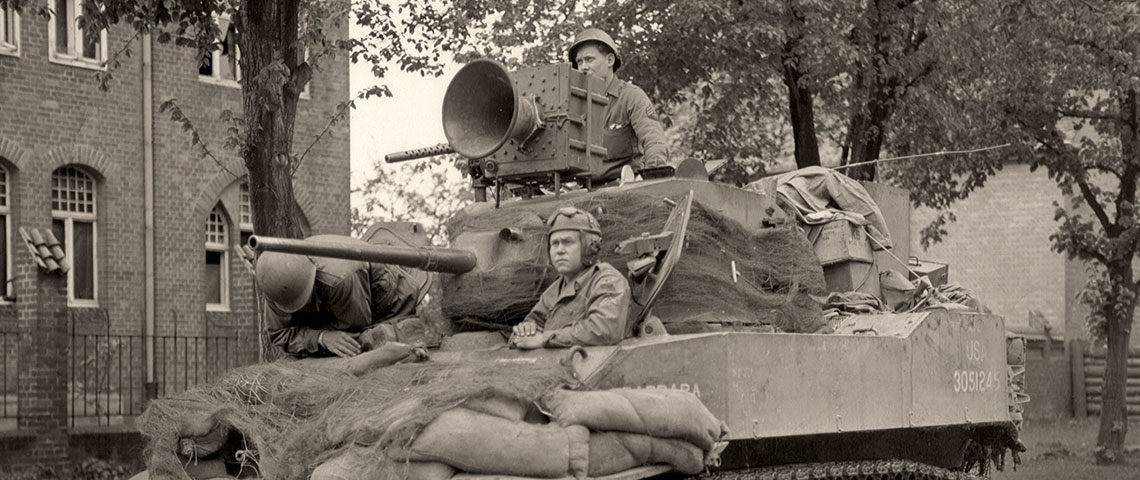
(285, 418)
(777, 267)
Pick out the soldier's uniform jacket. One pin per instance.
(633, 133)
(348, 295)
(593, 309)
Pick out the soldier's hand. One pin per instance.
(342, 344)
(525, 329)
(530, 343)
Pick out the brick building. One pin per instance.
(1000, 247)
(156, 299)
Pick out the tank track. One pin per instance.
(851, 470)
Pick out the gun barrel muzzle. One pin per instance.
(441, 149)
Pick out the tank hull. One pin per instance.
(917, 386)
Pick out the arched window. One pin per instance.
(217, 272)
(73, 222)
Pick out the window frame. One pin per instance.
(11, 49)
(245, 214)
(215, 76)
(69, 218)
(7, 292)
(224, 262)
(74, 56)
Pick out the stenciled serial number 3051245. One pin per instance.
(969, 381)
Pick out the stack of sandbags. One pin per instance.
(588, 433)
(634, 427)
(284, 419)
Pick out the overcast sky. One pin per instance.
(409, 119)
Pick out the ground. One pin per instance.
(1064, 450)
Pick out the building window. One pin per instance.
(69, 42)
(222, 63)
(73, 222)
(245, 216)
(9, 31)
(5, 233)
(217, 276)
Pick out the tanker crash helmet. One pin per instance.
(589, 232)
(593, 35)
(286, 279)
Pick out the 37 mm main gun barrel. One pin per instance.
(448, 260)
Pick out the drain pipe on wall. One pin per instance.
(148, 209)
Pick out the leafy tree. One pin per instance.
(283, 44)
(427, 191)
(1078, 64)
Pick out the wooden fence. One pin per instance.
(1088, 379)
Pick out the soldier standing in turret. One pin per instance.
(589, 302)
(320, 306)
(633, 133)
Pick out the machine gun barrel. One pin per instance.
(448, 260)
(441, 149)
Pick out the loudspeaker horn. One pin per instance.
(482, 109)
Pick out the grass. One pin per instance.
(1064, 450)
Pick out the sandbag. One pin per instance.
(612, 452)
(654, 412)
(480, 443)
(381, 356)
(201, 434)
(205, 469)
(358, 463)
(498, 406)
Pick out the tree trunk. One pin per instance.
(1114, 412)
(868, 130)
(799, 96)
(272, 80)
(803, 118)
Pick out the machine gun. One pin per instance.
(535, 127)
(432, 259)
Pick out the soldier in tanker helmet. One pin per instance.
(320, 306)
(633, 134)
(589, 302)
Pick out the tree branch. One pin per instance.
(1098, 210)
(112, 63)
(1086, 114)
(1105, 169)
(341, 112)
(195, 139)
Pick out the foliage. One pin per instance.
(1070, 92)
(87, 469)
(283, 44)
(428, 191)
(901, 77)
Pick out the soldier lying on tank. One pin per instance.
(589, 302)
(633, 134)
(320, 306)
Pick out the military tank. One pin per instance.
(925, 394)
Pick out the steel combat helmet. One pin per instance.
(286, 279)
(588, 228)
(593, 35)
